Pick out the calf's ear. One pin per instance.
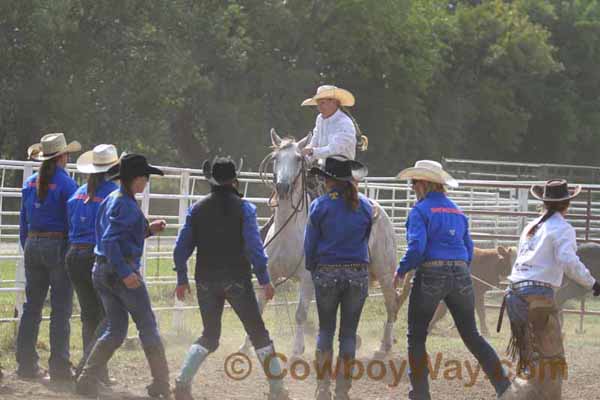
(503, 251)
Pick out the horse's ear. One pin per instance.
(306, 140)
(275, 139)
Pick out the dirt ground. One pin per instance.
(213, 383)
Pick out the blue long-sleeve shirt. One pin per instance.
(436, 229)
(121, 229)
(51, 214)
(82, 211)
(336, 234)
(253, 246)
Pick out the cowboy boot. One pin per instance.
(323, 368)
(183, 392)
(193, 359)
(155, 354)
(343, 379)
(87, 382)
(272, 368)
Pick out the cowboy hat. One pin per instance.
(221, 171)
(52, 145)
(555, 190)
(345, 98)
(131, 166)
(100, 159)
(341, 169)
(427, 170)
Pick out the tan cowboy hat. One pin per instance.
(100, 159)
(555, 190)
(345, 98)
(427, 170)
(52, 145)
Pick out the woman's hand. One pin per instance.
(132, 281)
(269, 291)
(397, 279)
(181, 290)
(158, 226)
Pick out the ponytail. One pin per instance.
(47, 171)
(551, 207)
(362, 141)
(351, 195)
(94, 180)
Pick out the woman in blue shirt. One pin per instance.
(43, 235)
(336, 246)
(440, 249)
(121, 229)
(82, 208)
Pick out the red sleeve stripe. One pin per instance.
(84, 197)
(446, 210)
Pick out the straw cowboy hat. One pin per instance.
(555, 190)
(341, 169)
(345, 98)
(100, 159)
(52, 145)
(427, 170)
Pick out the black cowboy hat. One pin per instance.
(555, 190)
(221, 171)
(341, 169)
(131, 166)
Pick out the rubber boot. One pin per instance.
(343, 379)
(272, 369)
(159, 369)
(324, 372)
(87, 383)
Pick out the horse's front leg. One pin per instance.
(305, 296)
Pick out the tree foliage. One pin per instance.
(185, 79)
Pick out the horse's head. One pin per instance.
(288, 163)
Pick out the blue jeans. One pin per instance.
(80, 262)
(240, 295)
(517, 307)
(45, 269)
(453, 285)
(346, 289)
(119, 302)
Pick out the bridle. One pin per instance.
(301, 204)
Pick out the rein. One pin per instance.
(296, 208)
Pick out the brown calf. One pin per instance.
(488, 268)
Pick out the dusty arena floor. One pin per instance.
(213, 383)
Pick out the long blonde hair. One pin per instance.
(431, 187)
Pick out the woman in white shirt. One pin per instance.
(547, 251)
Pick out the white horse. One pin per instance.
(285, 241)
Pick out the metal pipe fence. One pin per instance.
(498, 212)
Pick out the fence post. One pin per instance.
(523, 196)
(581, 315)
(145, 210)
(20, 267)
(184, 191)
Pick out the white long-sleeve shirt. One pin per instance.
(550, 253)
(333, 136)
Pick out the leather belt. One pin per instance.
(82, 246)
(48, 235)
(443, 263)
(337, 267)
(523, 284)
